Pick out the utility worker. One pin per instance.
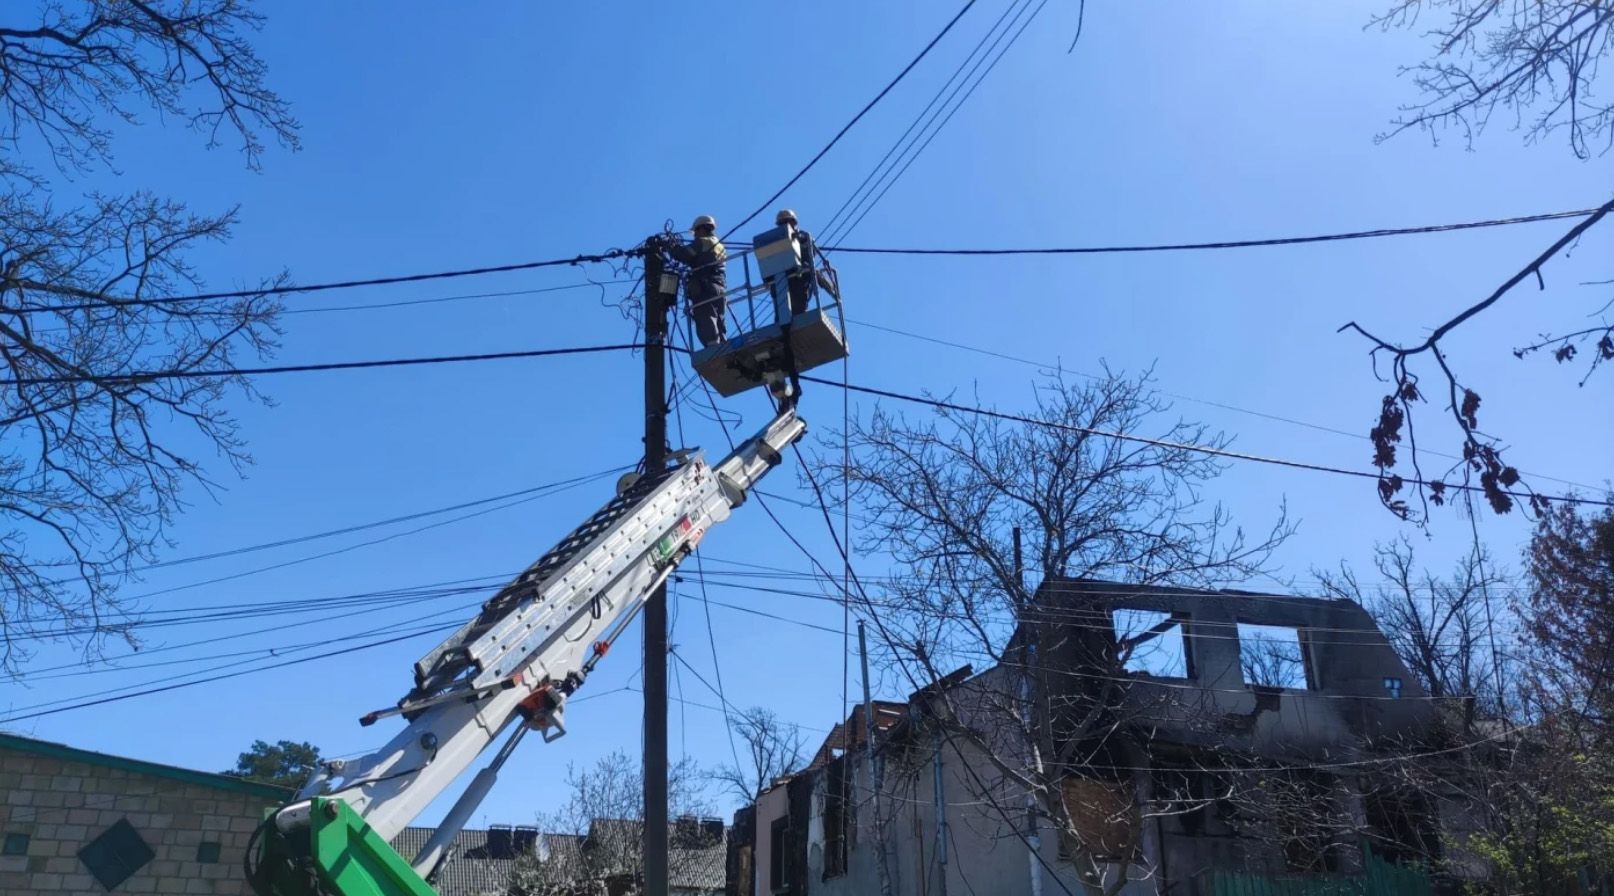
(800, 282)
(706, 284)
(801, 279)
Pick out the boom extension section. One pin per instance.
(513, 666)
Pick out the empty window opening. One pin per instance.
(1402, 826)
(1304, 806)
(1274, 656)
(778, 838)
(1149, 642)
(837, 817)
(1180, 792)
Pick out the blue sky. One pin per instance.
(442, 137)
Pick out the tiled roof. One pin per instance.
(698, 869)
(469, 872)
(460, 876)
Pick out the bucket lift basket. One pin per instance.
(790, 344)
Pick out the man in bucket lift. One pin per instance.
(801, 278)
(706, 284)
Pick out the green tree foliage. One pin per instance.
(1556, 802)
(1571, 617)
(1557, 809)
(285, 763)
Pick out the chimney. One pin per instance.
(500, 842)
(525, 840)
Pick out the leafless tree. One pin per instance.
(110, 400)
(772, 749)
(1455, 633)
(1536, 62)
(597, 835)
(944, 498)
(1271, 663)
(1299, 814)
(1525, 789)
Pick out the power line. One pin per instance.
(548, 487)
(969, 767)
(1166, 443)
(855, 119)
(234, 612)
(247, 611)
(97, 300)
(256, 653)
(352, 547)
(228, 675)
(82, 668)
(167, 648)
(831, 222)
(148, 376)
(1226, 244)
(436, 300)
(854, 222)
(1089, 586)
(1265, 415)
(711, 640)
(1054, 614)
(1068, 617)
(880, 627)
(628, 688)
(229, 612)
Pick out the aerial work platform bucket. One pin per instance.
(793, 343)
(745, 361)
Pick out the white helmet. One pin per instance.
(704, 221)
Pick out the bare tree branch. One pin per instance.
(597, 836)
(86, 60)
(1538, 60)
(1481, 452)
(92, 471)
(944, 497)
(772, 749)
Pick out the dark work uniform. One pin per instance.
(801, 278)
(705, 286)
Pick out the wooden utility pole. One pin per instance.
(658, 302)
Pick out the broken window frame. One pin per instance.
(1308, 681)
(778, 845)
(1171, 620)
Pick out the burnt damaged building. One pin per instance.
(1132, 740)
